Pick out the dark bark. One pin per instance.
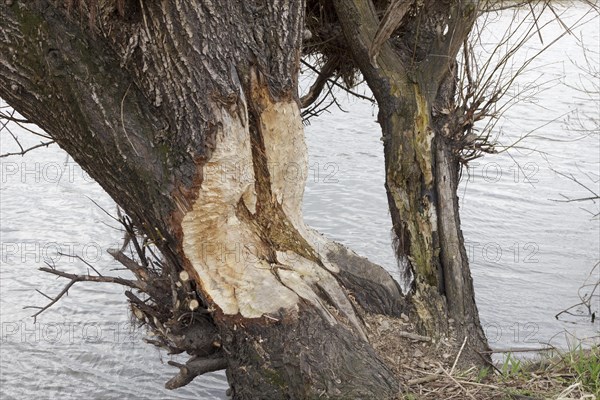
(412, 78)
(301, 358)
(458, 282)
(159, 102)
(370, 285)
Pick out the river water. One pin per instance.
(529, 253)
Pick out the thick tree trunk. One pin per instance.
(412, 78)
(457, 280)
(187, 115)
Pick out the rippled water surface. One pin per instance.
(529, 253)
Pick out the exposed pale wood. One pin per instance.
(411, 76)
(158, 106)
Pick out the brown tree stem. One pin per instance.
(317, 87)
(194, 367)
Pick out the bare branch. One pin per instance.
(138, 270)
(74, 279)
(21, 123)
(589, 291)
(25, 151)
(344, 88)
(572, 178)
(92, 278)
(78, 257)
(317, 87)
(58, 297)
(497, 6)
(194, 367)
(5, 119)
(12, 118)
(484, 84)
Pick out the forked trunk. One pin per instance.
(408, 59)
(286, 322)
(186, 113)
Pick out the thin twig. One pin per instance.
(25, 151)
(77, 256)
(353, 93)
(424, 379)
(517, 350)
(317, 87)
(458, 355)
(414, 336)
(74, 279)
(457, 383)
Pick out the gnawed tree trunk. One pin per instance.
(412, 75)
(186, 113)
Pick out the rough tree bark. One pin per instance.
(408, 58)
(186, 113)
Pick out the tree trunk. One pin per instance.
(412, 77)
(187, 115)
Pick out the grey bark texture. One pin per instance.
(412, 77)
(134, 92)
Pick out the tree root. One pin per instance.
(194, 367)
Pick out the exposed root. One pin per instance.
(162, 300)
(194, 367)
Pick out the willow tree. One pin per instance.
(187, 114)
(407, 53)
(414, 79)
